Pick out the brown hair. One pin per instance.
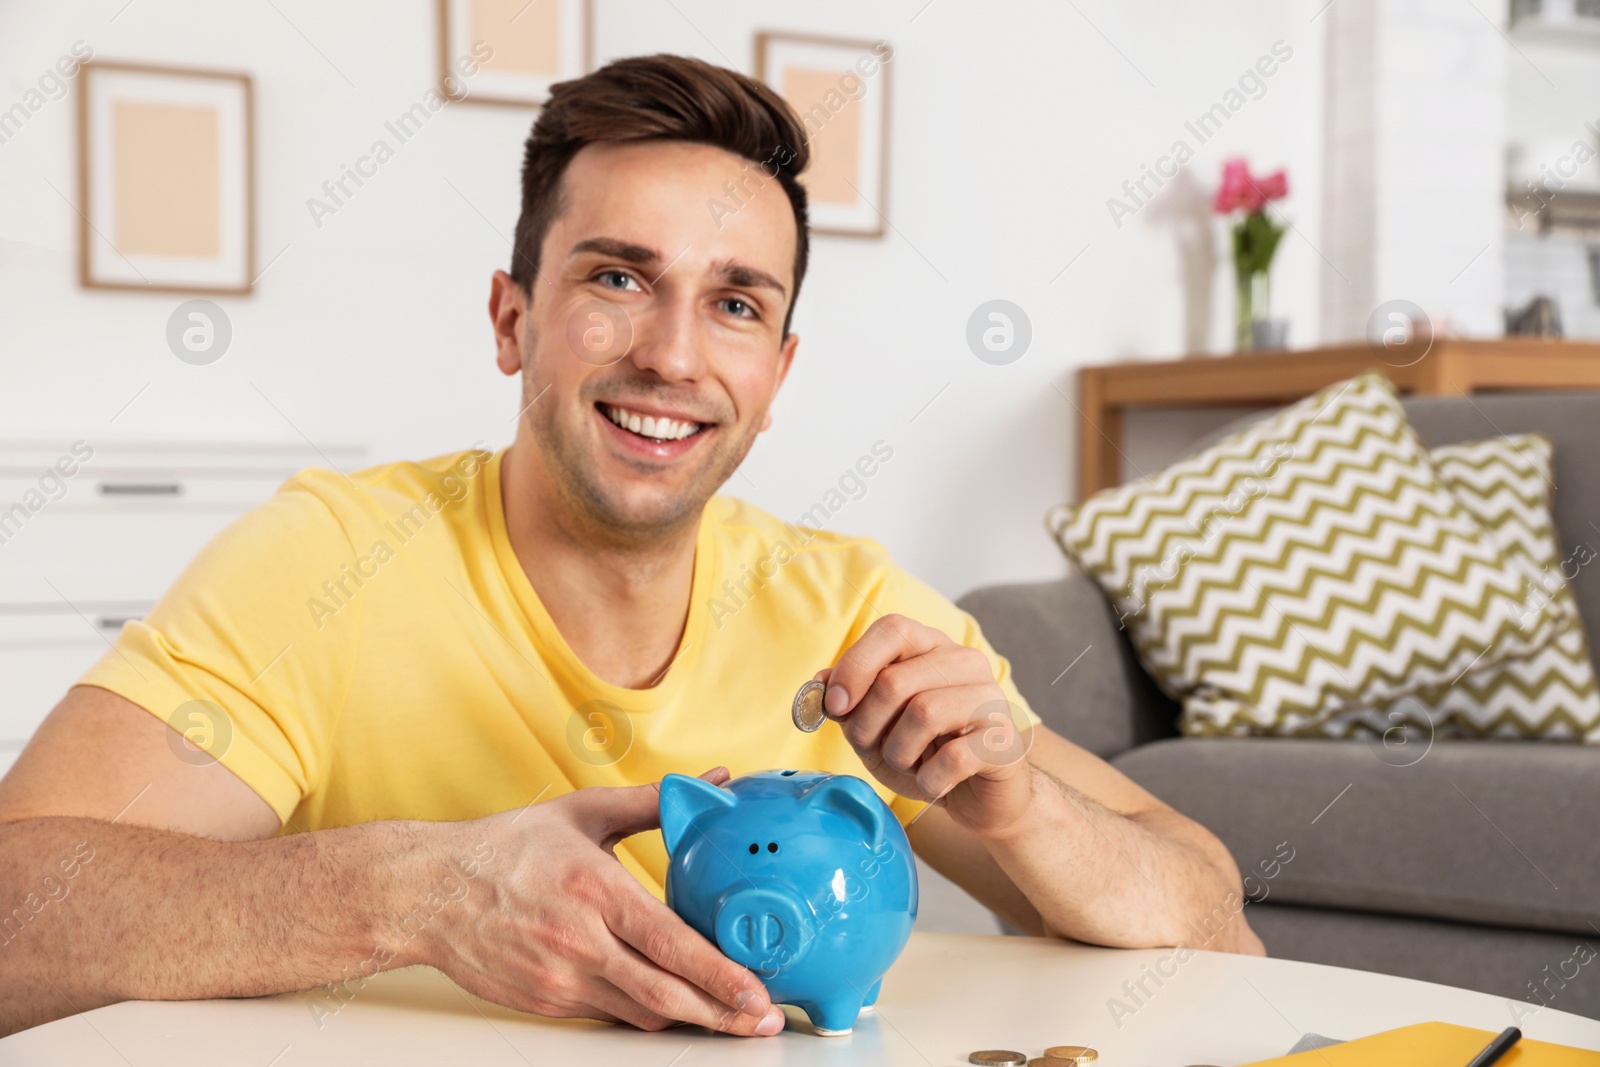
(665, 98)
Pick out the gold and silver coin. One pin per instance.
(1072, 1053)
(809, 715)
(1000, 1056)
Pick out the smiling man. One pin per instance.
(419, 714)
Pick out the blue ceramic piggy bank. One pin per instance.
(805, 878)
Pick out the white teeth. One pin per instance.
(660, 429)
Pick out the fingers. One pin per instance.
(616, 1005)
(610, 813)
(928, 716)
(945, 667)
(951, 765)
(663, 994)
(889, 638)
(903, 690)
(661, 937)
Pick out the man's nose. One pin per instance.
(666, 340)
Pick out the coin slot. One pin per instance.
(787, 773)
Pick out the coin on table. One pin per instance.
(1051, 1061)
(809, 715)
(1004, 1057)
(1072, 1053)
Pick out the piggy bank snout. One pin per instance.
(764, 928)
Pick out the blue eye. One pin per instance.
(616, 279)
(734, 306)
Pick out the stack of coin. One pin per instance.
(1054, 1056)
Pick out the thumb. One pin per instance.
(610, 813)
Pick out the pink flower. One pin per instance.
(1240, 191)
(1235, 179)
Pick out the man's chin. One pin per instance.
(646, 511)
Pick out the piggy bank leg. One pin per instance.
(872, 995)
(834, 1017)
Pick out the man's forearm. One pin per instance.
(95, 913)
(1131, 882)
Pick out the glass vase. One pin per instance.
(1255, 299)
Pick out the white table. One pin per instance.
(948, 995)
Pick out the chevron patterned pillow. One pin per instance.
(1311, 564)
(1505, 484)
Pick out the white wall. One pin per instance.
(1012, 126)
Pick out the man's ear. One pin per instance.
(508, 305)
(685, 799)
(785, 361)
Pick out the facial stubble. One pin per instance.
(586, 497)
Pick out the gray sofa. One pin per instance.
(1477, 865)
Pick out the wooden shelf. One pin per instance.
(1579, 32)
(1566, 209)
(1444, 368)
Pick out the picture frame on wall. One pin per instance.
(840, 89)
(510, 52)
(166, 179)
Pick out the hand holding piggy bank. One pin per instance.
(805, 878)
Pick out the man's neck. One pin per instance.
(622, 608)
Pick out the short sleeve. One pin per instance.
(250, 652)
(899, 592)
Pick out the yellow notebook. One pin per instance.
(1433, 1045)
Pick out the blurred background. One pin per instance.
(1440, 152)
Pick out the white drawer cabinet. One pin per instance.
(82, 553)
(42, 652)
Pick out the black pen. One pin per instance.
(1496, 1048)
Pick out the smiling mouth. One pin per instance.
(655, 429)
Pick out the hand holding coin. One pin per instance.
(929, 720)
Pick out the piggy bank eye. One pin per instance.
(772, 846)
(754, 848)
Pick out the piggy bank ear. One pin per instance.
(855, 800)
(685, 799)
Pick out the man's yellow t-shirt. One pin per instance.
(377, 652)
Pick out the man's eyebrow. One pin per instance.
(732, 273)
(623, 250)
(748, 277)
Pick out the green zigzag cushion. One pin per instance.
(1309, 565)
(1504, 483)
